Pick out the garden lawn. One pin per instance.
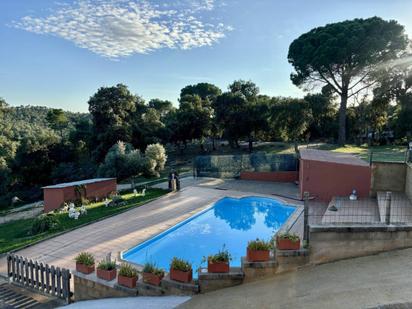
(16, 234)
(379, 153)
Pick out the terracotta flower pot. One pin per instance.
(287, 244)
(129, 282)
(181, 276)
(217, 267)
(84, 268)
(257, 255)
(152, 278)
(108, 275)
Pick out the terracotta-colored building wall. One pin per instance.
(324, 180)
(289, 176)
(100, 189)
(55, 197)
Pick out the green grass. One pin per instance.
(16, 234)
(379, 153)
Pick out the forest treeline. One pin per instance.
(358, 73)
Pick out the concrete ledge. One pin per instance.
(145, 289)
(90, 287)
(258, 270)
(214, 281)
(328, 245)
(172, 287)
(289, 260)
(359, 228)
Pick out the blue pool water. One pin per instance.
(230, 222)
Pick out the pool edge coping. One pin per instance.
(293, 216)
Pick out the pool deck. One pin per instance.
(123, 231)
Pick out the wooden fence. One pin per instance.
(46, 279)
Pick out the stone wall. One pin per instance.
(388, 176)
(19, 215)
(329, 244)
(90, 287)
(408, 182)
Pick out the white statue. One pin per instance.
(73, 213)
(83, 210)
(106, 202)
(144, 192)
(135, 192)
(353, 196)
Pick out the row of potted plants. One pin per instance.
(106, 269)
(259, 250)
(180, 270)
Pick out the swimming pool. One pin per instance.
(231, 222)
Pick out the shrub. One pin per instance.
(117, 200)
(290, 236)
(222, 256)
(151, 268)
(107, 265)
(180, 264)
(121, 161)
(155, 159)
(44, 223)
(127, 270)
(259, 245)
(85, 258)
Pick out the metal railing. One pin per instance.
(388, 208)
(42, 278)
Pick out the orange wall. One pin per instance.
(290, 176)
(323, 180)
(55, 197)
(100, 189)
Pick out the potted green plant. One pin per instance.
(84, 263)
(127, 276)
(106, 270)
(219, 262)
(287, 241)
(152, 274)
(180, 270)
(258, 250)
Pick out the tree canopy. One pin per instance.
(344, 56)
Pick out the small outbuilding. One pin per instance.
(92, 189)
(325, 174)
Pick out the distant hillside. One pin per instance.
(26, 119)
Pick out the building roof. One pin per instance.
(331, 157)
(77, 183)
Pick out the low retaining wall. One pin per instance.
(388, 176)
(290, 176)
(408, 182)
(329, 244)
(19, 215)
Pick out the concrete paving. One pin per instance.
(365, 282)
(130, 228)
(165, 302)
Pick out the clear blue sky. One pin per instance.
(58, 53)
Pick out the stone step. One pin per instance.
(214, 281)
(258, 270)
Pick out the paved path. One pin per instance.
(356, 283)
(125, 230)
(164, 302)
(121, 231)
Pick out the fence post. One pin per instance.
(9, 261)
(305, 217)
(388, 198)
